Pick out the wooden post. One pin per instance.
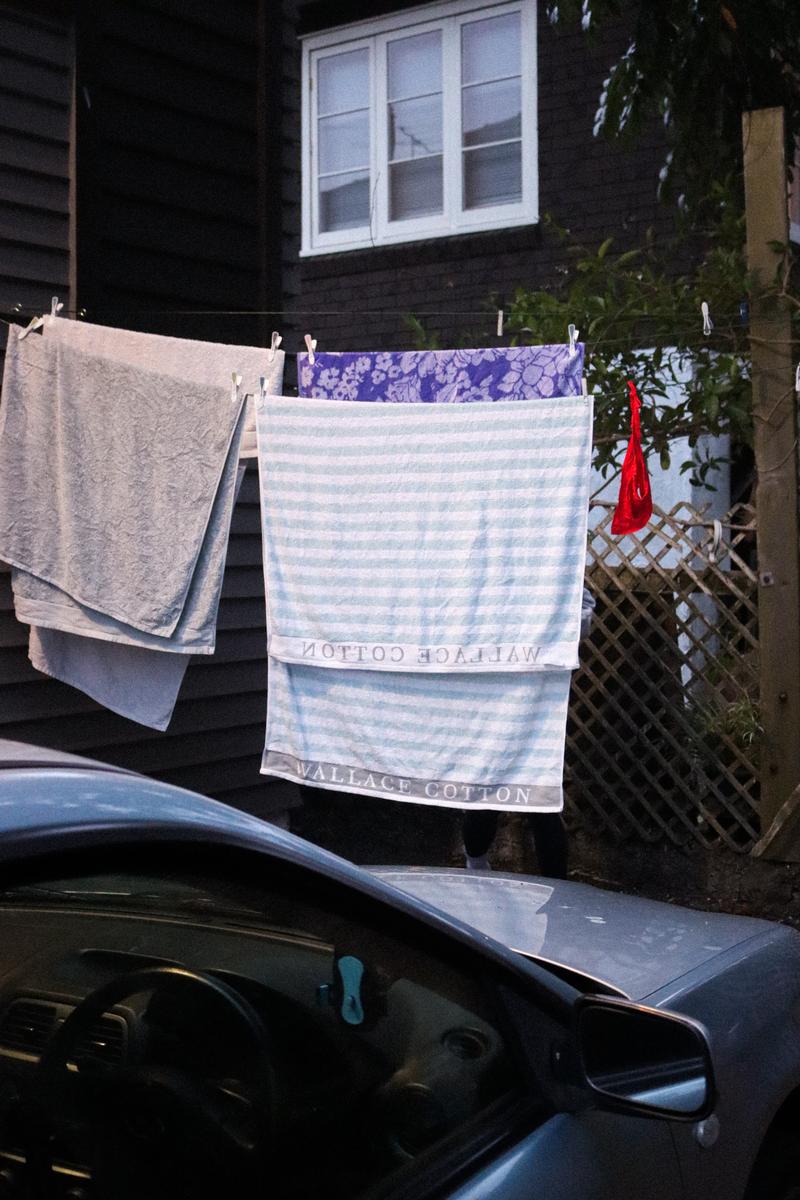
(775, 446)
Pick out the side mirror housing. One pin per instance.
(644, 1061)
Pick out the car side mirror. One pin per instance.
(644, 1061)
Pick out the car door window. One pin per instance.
(382, 1045)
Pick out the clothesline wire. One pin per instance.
(762, 371)
(486, 313)
(591, 344)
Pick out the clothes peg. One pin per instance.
(55, 306)
(34, 323)
(274, 343)
(573, 339)
(708, 324)
(716, 542)
(584, 386)
(797, 379)
(311, 345)
(262, 387)
(500, 322)
(236, 383)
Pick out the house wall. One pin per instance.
(172, 214)
(587, 185)
(35, 101)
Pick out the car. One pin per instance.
(196, 1003)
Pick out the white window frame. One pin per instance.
(449, 16)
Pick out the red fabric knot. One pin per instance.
(635, 503)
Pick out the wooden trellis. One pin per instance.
(664, 736)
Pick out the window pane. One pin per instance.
(343, 142)
(490, 49)
(415, 188)
(415, 65)
(343, 81)
(492, 112)
(493, 175)
(344, 201)
(415, 127)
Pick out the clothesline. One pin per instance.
(699, 340)
(597, 394)
(487, 313)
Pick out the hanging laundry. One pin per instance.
(493, 739)
(443, 376)
(116, 494)
(185, 358)
(456, 741)
(635, 503)
(425, 539)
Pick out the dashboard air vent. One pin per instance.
(27, 1025)
(104, 1042)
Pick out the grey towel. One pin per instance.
(116, 493)
(188, 360)
(127, 680)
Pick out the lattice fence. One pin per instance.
(664, 734)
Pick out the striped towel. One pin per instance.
(425, 538)
(435, 733)
(459, 741)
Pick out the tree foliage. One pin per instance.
(640, 317)
(696, 65)
(641, 320)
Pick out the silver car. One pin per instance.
(194, 1003)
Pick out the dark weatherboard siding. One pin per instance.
(170, 215)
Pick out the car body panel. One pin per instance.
(749, 1001)
(582, 1158)
(638, 946)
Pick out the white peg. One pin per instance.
(716, 542)
(500, 322)
(34, 323)
(708, 324)
(274, 343)
(573, 339)
(311, 345)
(797, 379)
(236, 383)
(55, 306)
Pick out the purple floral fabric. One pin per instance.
(443, 376)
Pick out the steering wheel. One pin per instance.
(147, 1129)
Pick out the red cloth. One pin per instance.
(635, 504)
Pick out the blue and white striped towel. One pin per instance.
(457, 740)
(425, 538)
